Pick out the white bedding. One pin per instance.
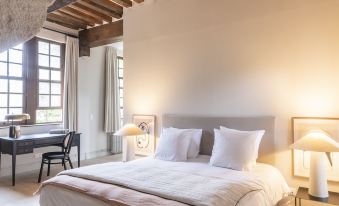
(272, 183)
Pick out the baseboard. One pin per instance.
(34, 164)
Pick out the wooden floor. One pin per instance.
(26, 184)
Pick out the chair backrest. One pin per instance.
(68, 140)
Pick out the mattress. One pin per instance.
(53, 195)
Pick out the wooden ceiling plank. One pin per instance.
(59, 4)
(81, 17)
(94, 13)
(81, 14)
(99, 36)
(64, 24)
(123, 3)
(67, 20)
(98, 6)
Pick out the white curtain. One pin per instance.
(71, 84)
(112, 103)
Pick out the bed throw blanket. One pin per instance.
(192, 189)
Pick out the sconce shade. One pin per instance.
(129, 130)
(17, 117)
(316, 141)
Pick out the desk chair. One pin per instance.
(62, 156)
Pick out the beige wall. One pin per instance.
(234, 58)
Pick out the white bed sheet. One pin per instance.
(54, 196)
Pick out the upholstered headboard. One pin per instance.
(267, 146)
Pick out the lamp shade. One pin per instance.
(129, 130)
(17, 117)
(316, 141)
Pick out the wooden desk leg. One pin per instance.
(295, 201)
(78, 155)
(13, 168)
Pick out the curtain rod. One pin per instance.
(70, 35)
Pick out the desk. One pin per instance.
(26, 143)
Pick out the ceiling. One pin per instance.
(84, 14)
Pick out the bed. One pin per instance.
(150, 182)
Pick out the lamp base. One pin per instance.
(318, 176)
(128, 148)
(11, 131)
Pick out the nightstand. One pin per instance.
(302, 194)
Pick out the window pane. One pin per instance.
(55, 62)
(15, 100)
(55, 101)
(43, 47)
(3, 56)
(55, 50)
(43, 100)
(121, 73)
(121, 63)
(55, 75)
(44, 88)
(121, 82)
(3, 112)
(55, 88)
(50, 115)
(3, 85)
(15, 56)
(3, 69)
(121, 102)
(15, 86)
(3, 100)
(121, 92)
(15, 70)
(43, 60)
(121, 113)
(15, 110)
(43, 74)
(18, 47)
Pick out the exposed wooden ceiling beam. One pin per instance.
(63, 19)
(59, 4)
(109, 5)
(79, 21)
(100, 9)
(99, 36)
(138, 1)
(80, 15)
(57, 20)
(124, 3)
(90, 12)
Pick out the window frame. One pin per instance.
(121, 108)
(30, 77)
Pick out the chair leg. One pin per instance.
(41, 167)
(64, 163)
(70, 163)
(49, 168)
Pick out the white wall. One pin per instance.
(91, 102)
(234, 58)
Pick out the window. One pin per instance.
(49, 82)
(31, 81)
(11, 82)
(121, 87)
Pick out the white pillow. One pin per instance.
(195, 138)
(233, 150)
(259, 134)
(172, 146)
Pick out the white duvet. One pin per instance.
(194, 182)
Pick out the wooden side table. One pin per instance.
(302, 194)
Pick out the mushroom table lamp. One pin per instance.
(15, 117)
(320, 144)
(128, 131)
